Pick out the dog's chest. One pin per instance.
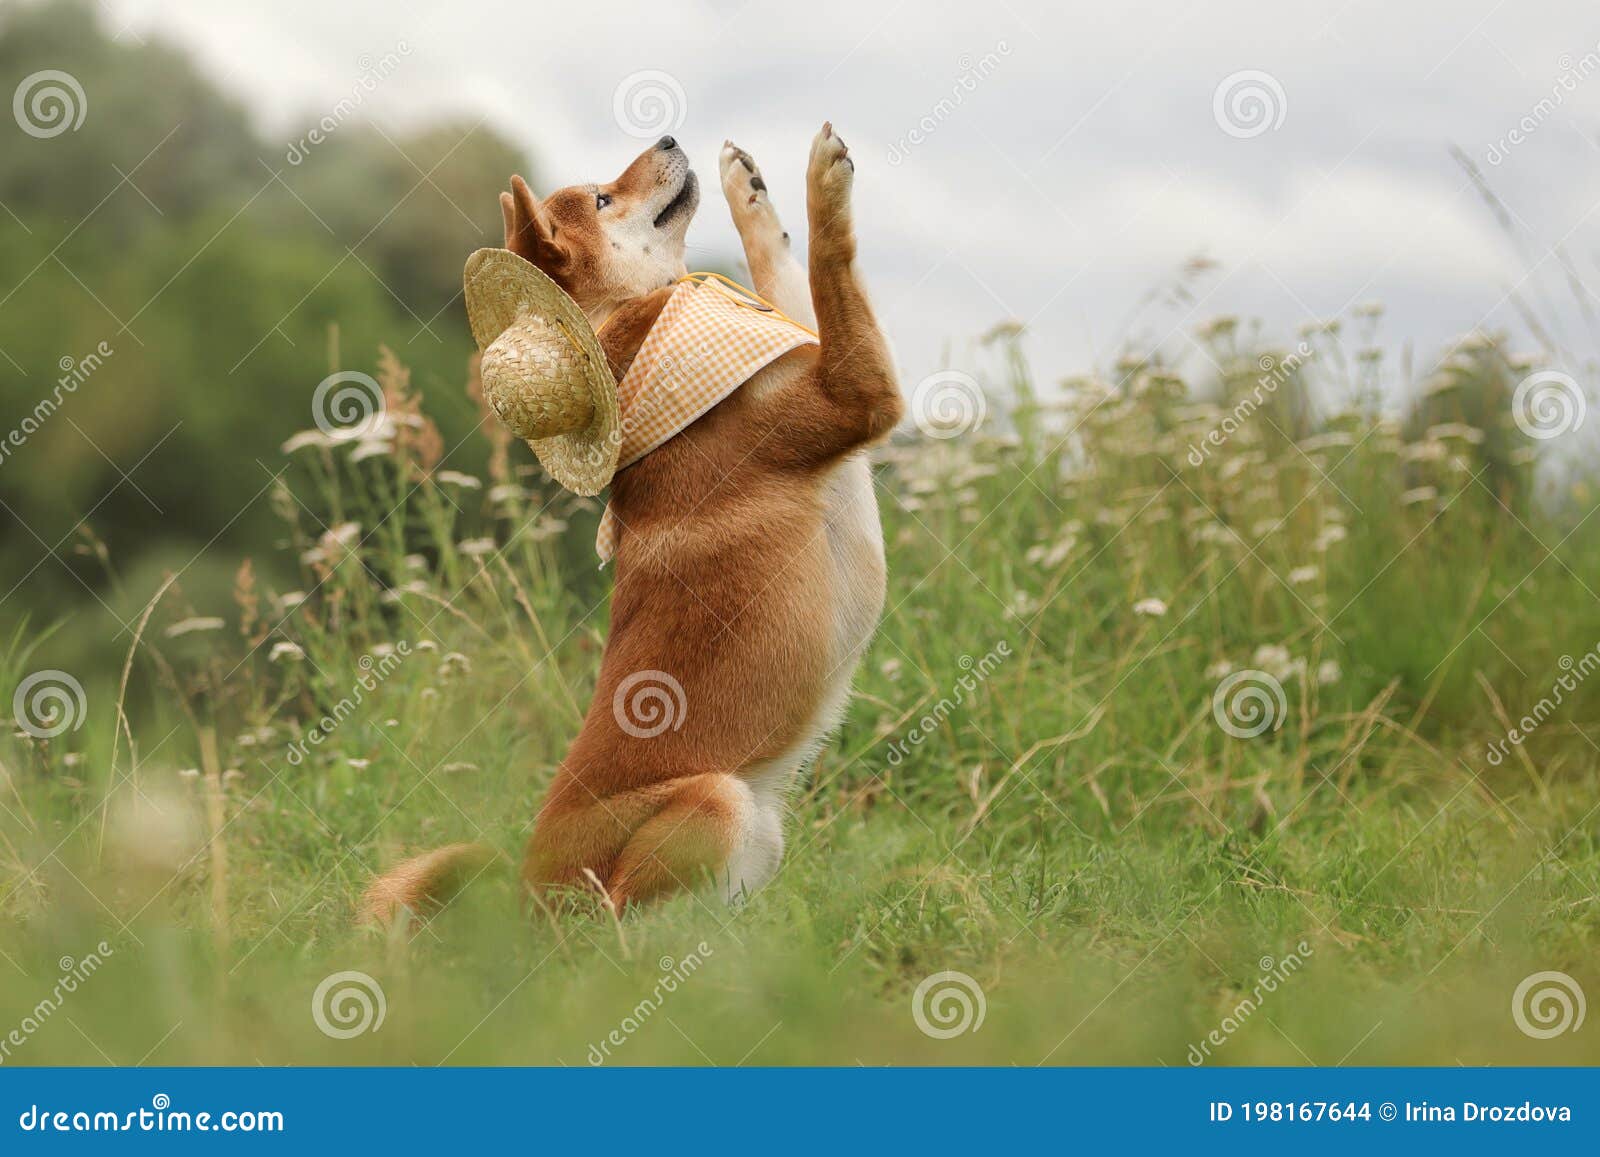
(856, 588)
(855, 544)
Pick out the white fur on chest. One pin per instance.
(855, 545)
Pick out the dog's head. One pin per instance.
(605, 244)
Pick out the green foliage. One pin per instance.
(166, 231)
(1032, 787)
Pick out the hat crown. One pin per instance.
(536, 379)
(543, 370)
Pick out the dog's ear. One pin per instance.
(530, 233)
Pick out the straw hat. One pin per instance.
(543, 369)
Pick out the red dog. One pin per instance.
(752, 569)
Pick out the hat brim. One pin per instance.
(500, 287)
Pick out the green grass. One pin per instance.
(1077, 834)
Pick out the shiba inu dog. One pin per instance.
(750, 575)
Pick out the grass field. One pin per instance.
(1048, 781)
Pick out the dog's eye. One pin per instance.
(601, 200)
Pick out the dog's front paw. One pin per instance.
(829, 176)
(748, 199)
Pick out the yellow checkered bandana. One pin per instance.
(709, 340)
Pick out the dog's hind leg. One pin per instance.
(778, 275)
(670, 836)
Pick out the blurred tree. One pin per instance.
(150, 260)
(149, 117)
(410, 205)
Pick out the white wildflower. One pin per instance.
(1456, 430)
(187, 626)
(1275, 660)
(306, 438)
(292, 652)
(1330, 534)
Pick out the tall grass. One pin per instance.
(1033, 787)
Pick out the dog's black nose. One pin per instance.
(667, 144)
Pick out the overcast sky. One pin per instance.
(1048, 162)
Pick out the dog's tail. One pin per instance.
(423, 884)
